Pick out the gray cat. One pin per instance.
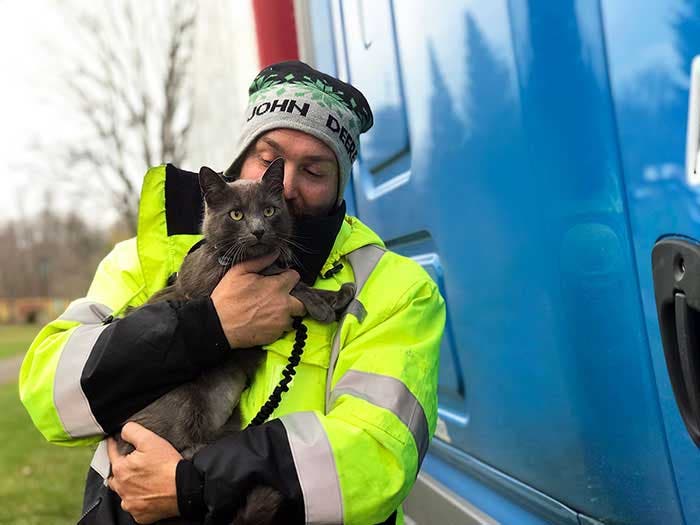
(242, 220)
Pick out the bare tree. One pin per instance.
(131, 86)
(51, 254)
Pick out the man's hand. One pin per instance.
(255, 309)
(145, 479)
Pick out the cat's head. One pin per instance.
(246, 219)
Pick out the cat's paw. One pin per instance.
(343, 297)
(321, 311)
(123, 447)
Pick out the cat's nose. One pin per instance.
(258, 233)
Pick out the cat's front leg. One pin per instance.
(324, 305)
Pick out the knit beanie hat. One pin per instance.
(294, 95)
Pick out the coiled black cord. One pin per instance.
(273, 402)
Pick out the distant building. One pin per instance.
(31, 309)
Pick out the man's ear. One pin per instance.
(213, 186)
(273, 178)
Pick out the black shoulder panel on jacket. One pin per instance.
(184, 204)
(157, 347)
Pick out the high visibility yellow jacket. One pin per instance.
(345, 443)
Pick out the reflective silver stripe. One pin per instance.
(363, 261)
(100, 461)
(86, 312)
(315, 465)
(69, 399)
(389, 393)
(335, 351)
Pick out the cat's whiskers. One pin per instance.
(231, 254)
(287, 255)
(224, 246)
(238, 253)
(295, 244)
(228, 251)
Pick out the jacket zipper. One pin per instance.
(99, 500)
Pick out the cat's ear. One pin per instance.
(273, 178)
(213, 186)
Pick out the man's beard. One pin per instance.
(297, 212)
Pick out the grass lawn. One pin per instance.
(16, 338)
(40, 483)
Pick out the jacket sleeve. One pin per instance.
(89, 370)
(356, 463)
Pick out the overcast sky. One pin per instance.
(36, 46)
(30, 32)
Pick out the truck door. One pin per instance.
(650, 75)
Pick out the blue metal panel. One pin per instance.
(609, 441)
(649, 63)
(514, 174)
(514, 188)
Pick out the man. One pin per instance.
(346, 442)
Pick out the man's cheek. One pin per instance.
(324, 190)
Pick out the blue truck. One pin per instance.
(538, 158)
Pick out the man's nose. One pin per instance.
(290, 190)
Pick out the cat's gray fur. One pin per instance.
(201, 411)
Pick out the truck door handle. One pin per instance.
(676, 271)
(686, 334)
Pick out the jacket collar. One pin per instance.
(316, 237)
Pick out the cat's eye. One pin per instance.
(269, 211)
(236, 215)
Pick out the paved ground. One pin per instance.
(9, 368)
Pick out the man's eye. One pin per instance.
(236, 215)
(265, 161)
(269, 211)
(314, 173)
